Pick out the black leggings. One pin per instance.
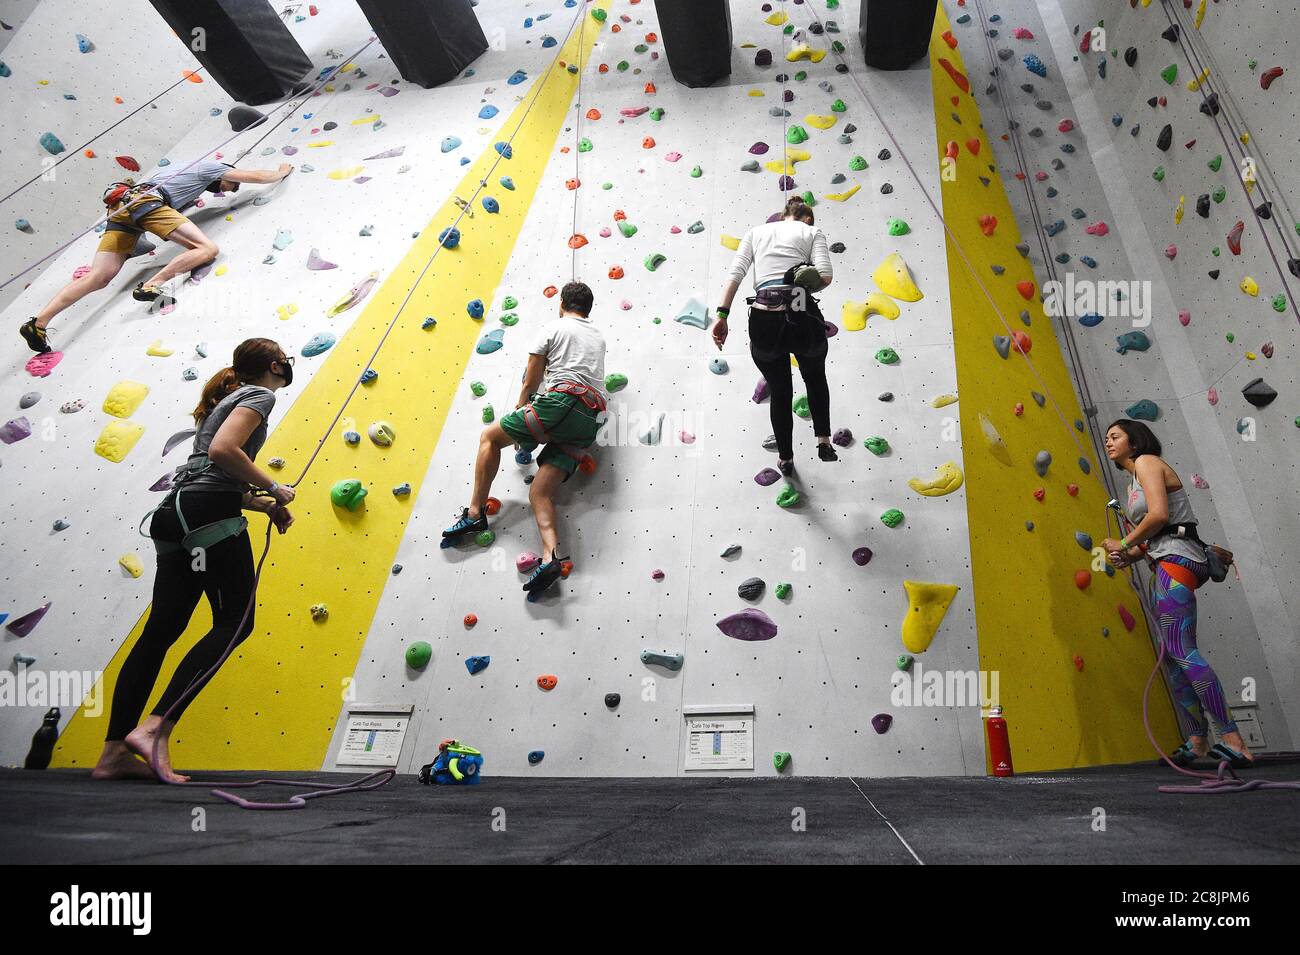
(773, 338)
(227, 580)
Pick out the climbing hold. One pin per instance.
(1268, 76)
(862, 556)
(780, 760)
(767, 476)
(547, 681)
(718, 366)
(946, 479)
(381, 433)
(1166, 138)
(1249, 286)
(748, 624)
(1146, 409)
(1083, 540)
(1258, 393)
(887, 356)
(418, 655)
(843, 437)
(876, 445)
(52, 144)
(24, 625)
(1033, 64)
(654, 260)
(926, 606)
(348, 493)
(1135, 341)
(892, 517)
(788, 497)
(751, 588)
(669, 661)
(1042, 461)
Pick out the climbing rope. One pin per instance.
(302, 98)
(382, 777)
(577, 148)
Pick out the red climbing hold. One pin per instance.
(1078, 663)
(566, 568)
(587, 465)
(973, 146)
(550, 291)
(619, 215)
(950, 151)
(572, 184)
(1234, 237)
(471, 619)
(1065, 125)
(1019, 409)
(593, 113)
(547, 681)
(1268, 76)
(577, 240)
(1023, 342)
(1097, 228)
(988, 224)
(126, 162)
(1126, 617)
(957, 76)
(651, 89)
(1026, 290)
(493, 507)
(1082, 578)
(1085, 44)
(616, 272)
(950, 39)
(1039, 494)
(1072, 490)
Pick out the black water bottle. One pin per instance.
(38, 757)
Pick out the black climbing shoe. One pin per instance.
(146, 293)
(785, 467)
(545, 575)
(35, 338)
(827, 453)
(466, 526)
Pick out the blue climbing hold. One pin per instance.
(368, 376)
(491, 205)
(523, 457)
(475, 308)
(1117, 120)
(1084, 466)
(1090, 320)
(1083, 540)
(549, 41)
(449, 143)
(1088, 260)
(464, 160)
(84, 44)
(507, 183)
(449, 237)
(491, 342)
(487, 112)
(429, 322)
(536, 756)
(1034, 65)
(318, 344)
(504, 149)
(477, 664)
(1052, 228)
(528, 22)
(1134, 341)
(718, 366)
(1146, 409)
(517, 77)
(402, 490)
(53, 145)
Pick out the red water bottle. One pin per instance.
(999, 744)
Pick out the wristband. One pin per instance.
(1123, 542)
(275, 486)
(723, 312)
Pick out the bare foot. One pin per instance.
(1200, 746)
(118, 762)
(1235, 741)
(141, 742)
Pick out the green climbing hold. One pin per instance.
(509, 319)
(1230, 337)
(478, 388)
(801, 75)
(623, 65)
(657, 113)
(641, 48)
(857, 164)
(485, 538)
(1279, 303)
(584, 145)
(1253, 63)
(876, 445)
(348, 493)
(892, 517)
(1159, 174)
(780, 761)
(488, 414)
(904, 661)
(627, 228)
(1169, 73)
(654, 260)
(1219, 194)
(887, 356)
(607, 186)
(788, 497)
(1215, 252)
(796, 135)
(1215, 163)
(898, 227)
(510, 302)
(599, 14)
(697, 172)
(800, 407)
(837, 46)
(783, 591)
(615, 381)
(838, 106)
(418, 655)
(808, 198)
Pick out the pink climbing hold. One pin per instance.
(1212, 396)
(760, 391)
(316, 263)
(634, 111)
(673, 156)
(605, 233)
(625, 305)
(1200, 482)
(1171, 252)
(685, 437)
(28, 621)
(1040, 176)
(1065, 125)
(1185, 317)
(1020, 33)
(657, 574)
(526, 561)
(40, 366)
(1126, 617)
(1268, 76)
(1098, 228)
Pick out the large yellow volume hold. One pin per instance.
(947, 478)
(926, 606)
(124, 397)
(786, 167)
(117, 439)
(893, 278)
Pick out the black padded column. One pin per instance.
(243, 45)
(895, 33)
(697, 39)
(429, 41)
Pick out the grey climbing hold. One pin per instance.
(731, 550)
(1039, 399)
(1083, 540)
(612, 700)
(751, 588)
(61, 525)
(29, 399)
(718, 366)
(1042, 461)
(669, 661)
(244, 117)
(1003, 344)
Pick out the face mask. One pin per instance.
(287, 374)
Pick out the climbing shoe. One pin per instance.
(545, 575)
(827, 453)
(146, 293)
(35, 338)
(1183, 756)
(467, 526)
(1235, 759)
(785, 467)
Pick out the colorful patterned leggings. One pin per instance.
(1197, 691)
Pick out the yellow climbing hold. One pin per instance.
(221, 270)
(946, 479)
(132, 564)
(350, 172)
(776, 19)
(802, 51)
(1178, 210)
(287, 311)
(117, 439)
(942, 401)
(1250, 286)
(158, 351)
(1195, 84)
(366, 120)
(1245, 140)
(792, 156)
(347, 68)
(730, 241)
(124, 397)
(821, 122)
(1200, 14)
(997, 447)
(842, 196)
(854, 314)
(893, 278)
(321, 143)
(1250, 356)
(926, 606)
(757, 93)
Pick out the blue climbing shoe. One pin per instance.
(1234, 759)
(465, 527)
(544, 576)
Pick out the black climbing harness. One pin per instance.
(203, 536)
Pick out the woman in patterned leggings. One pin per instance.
(1156, 504)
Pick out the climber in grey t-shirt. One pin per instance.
(153, 206)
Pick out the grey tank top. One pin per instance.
(1180, 512)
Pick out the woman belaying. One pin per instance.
(1165, 531)
(790, 260)
(203, 550)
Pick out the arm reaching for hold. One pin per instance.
(259, 176)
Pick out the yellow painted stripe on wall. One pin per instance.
(274, 703)
(1032, 620)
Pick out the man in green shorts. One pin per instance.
(155, 207)
(561, 406)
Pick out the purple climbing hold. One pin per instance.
(763, 58)
(786, 183)
(748, 624)
(761, 391)
(15, 430)
(881, 722)
(317, 264)
(164, 483)
(862, 556)
(25, 624)
(767, 476)
(843, 437)
(758, 149)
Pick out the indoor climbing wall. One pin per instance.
(73, 68)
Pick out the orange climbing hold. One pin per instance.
(652, 37)
(1023, 342)
(1026, 290)
(550, 291)
(119, 101)
(191, 76)
(572, 184)
(603, 68)
(988, 224)
(1082, 578)
(648, 143)
(973, 146)
(951, 150)
(950, 39)
(651, 89)
(90, 154)
(547, 681)
(616, 272)
(493, 507)
(593, 113)
(587, 465)
(577, 240)
(471, 619)
(619, 215)
(566, 568)
(957, 76)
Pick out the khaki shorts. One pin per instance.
(123, 231)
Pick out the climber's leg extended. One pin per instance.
(103, 269)
(541, 495)
(200, 250)
(473, 519)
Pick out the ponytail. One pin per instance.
(253, 357)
